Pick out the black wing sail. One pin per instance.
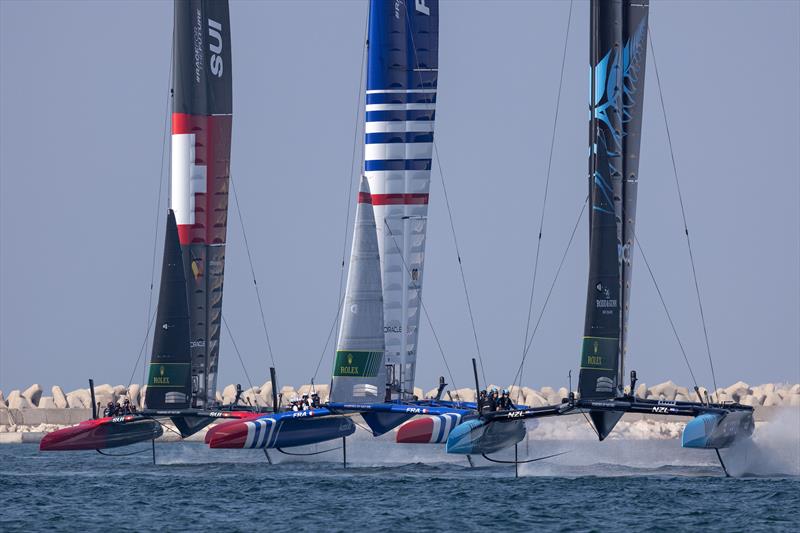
(169, 384)
(617, 54)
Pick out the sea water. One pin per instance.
(645, 485)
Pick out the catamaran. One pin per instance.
(182, 377)
(618, 44)
(375, 360)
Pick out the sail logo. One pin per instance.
(421, 7)
(215, 45)
(161, 379)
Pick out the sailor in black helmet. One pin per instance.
(109, 410)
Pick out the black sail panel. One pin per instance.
(599, 375)
(169, 383)
(618, 45)
(633, 68)
(200, 177)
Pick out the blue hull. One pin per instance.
(476, 436)
(712, 430)
(299, 432)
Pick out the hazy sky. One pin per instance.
(83, 87)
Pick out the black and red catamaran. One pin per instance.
(181, 383)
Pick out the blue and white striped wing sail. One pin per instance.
(402, 74)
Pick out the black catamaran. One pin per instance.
(181, 383)
(618, 45)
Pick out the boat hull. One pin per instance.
(430, 429)
(476, 436)
(108, 432)
(713, 430)
(280, 432)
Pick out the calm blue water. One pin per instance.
(193, 488)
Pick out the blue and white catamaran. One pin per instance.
(618, 44)
(375, 361)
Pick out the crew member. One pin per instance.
(238, 394)
(493, 399)
(109, 410)
(315, 403)
(126, 407)
(305, 403)
(505, 403)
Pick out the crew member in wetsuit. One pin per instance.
(304, 404)
(238, 394)
(126, 407)
(109, 410)
(315, 403)
(505, 403)
(117, 409)
(492, 400)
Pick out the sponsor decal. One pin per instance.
(215, 45)
(197, 40)
(197, 269)
(168, 374)
(302, 414)
(357, 364)
(662, 410)
(197, 344)
(599, 353)
(515, 414)
(421, 7)
(416, 410)
(392, 329)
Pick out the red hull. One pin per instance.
(419, 431)
(108, 432)
(238, 415)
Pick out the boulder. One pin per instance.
(738, 390)
(75, 399)
(133, 394)
(265, 393)
(682, 390)
(418, 393)
(772, 399)
(432, 393)
(119, 390)
(534, 399)
(767, 388)
(2, 400)
(304, 389)
(641, 390)
(681, 397)
(664, 391)
(563, 393)
(46, 402)
(463, 395)
(795, 389)
(228, 394)
(547, 391)
(794, 400)
(105, 388)
(59, 398)
(142, 396)
(33, 393)
(18, 401)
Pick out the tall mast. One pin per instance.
(201, 141)
(617, 60)
(402, 73)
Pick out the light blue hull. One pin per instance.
(712, 430)
(476, 436)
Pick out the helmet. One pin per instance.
(505, 392)
(494, 389)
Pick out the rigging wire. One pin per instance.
(358, 148)
(450, 216)
(239, 355)
(683, 209)
(664, 304)
(547, 184)
(328, 338)
(158, 204)
(252, 272)
(141, 351)
(518, 375)
(424, 307)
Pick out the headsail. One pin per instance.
(359, 374)
(201, 141)
(169, 384)
(402, 75)
(617, 54)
